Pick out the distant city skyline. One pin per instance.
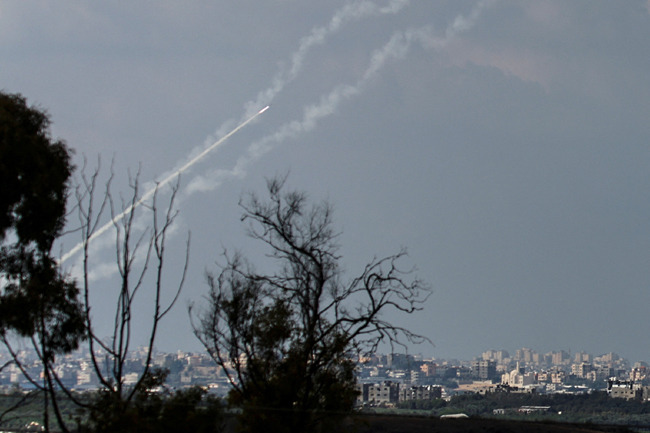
(492, 371)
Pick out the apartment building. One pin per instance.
(428, 392)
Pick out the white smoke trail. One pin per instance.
(150, 193)
(348, 13)
(397, 47)
(318, 35)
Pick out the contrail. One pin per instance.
(348, 13)
(146, 196)
(207, 150)
(397, 47)
(318, 35)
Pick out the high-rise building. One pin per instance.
(560, 358)
(580, 357)
(484, 369)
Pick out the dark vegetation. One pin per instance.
(286, 339)
(189, 410)
(595, 407)
(421, 424)
(43, 308)
(182, 412)
(38, 304)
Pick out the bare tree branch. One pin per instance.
(285, 340)
(140, 257)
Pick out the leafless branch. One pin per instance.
(301, 323)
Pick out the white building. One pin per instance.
(518, 378)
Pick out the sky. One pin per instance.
(504, 143)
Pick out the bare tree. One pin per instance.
(287, 339)
(45, 309)
(140, 259)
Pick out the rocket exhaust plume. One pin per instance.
(397, 47)
(149, 194)
(354, 11)
(351, 12)
(205, 152)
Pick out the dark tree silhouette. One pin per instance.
(287, 340)
(37, 302)
(40, 305)
(34, 171)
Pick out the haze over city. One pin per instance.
(503, 143)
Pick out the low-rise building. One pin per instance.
(581, 370)
(626, 389)
(383, 393)
(428, 369)
(427, 392)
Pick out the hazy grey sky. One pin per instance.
(505, 143)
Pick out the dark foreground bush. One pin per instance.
(191, 410)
